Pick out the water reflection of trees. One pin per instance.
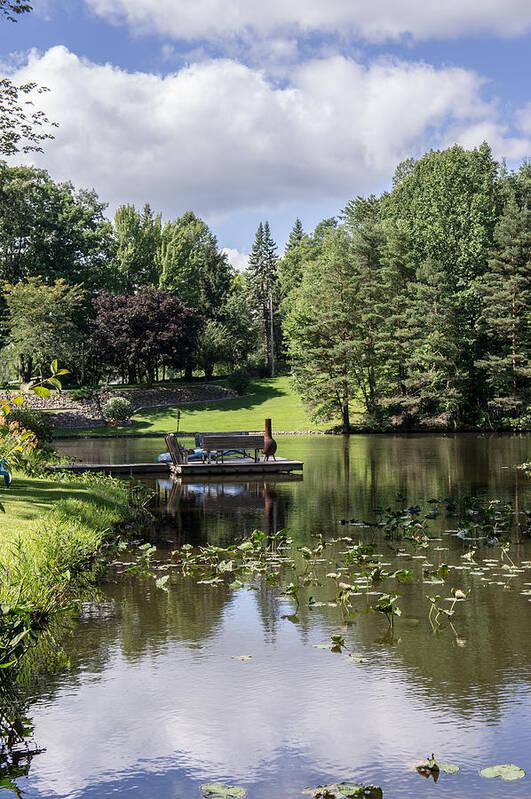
(348, 477)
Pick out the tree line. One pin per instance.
(412, 306)
(416, 303)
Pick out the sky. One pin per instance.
(247, 110)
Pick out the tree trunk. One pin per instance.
(25, 368)
(209, 371)
(188, 371)
(345, 411)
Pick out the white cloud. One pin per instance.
(239, 260)
(523, 119)
(219, 137)
(375, 21)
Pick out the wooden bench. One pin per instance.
(222, 442)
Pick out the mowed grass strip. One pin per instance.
(268, 397)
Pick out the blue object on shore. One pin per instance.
(5, 474)
(165, 457)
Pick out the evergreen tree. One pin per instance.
(262, 277)
(362, 220)
(320, 331)
(296, 236)
(393, 312)
(505, 292)
(436, 376)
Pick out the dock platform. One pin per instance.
(243, 466)
(113, 468)
(236, 466)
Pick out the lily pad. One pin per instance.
(220, 791)
(241, 657)
(508, 771)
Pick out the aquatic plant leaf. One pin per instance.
(508, 771)
(220, 791)
(241, 657)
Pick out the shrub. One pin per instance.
(239, 381)
(37, 422)
(117, 410)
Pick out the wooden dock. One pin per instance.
(243, 466)
(113, 468)
(193, 469)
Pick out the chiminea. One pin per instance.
(270, 445)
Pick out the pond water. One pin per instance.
(153, 703)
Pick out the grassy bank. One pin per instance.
(270, 397)
(50, 535)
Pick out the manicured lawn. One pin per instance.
(29, 498)
(270, 397)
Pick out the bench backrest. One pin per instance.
(174, 448)
(200, 437)
(233, 442)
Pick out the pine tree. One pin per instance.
(435, 334)
(262, 279)
(291, 266)
(320, 331)
(392, 345)
(505, 291)
(362, 220)
(296, 236)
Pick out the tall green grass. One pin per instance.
(44, 561)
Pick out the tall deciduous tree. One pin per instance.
(139, 239)
(191, 265)
(140, 333)
(41, 323)
(505, 291)
(50, 229)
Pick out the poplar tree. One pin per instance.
(505, 292)
(139, 238)
(191, 265)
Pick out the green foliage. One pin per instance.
(82, 393)
(50, 229)
(41, 322)
(190, 264)
(320, 328)
(39, 423)
(505, 292)
(139, 239)
(263, 292)
(239, 381)
(117, 410)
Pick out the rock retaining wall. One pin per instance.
(77, 414)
